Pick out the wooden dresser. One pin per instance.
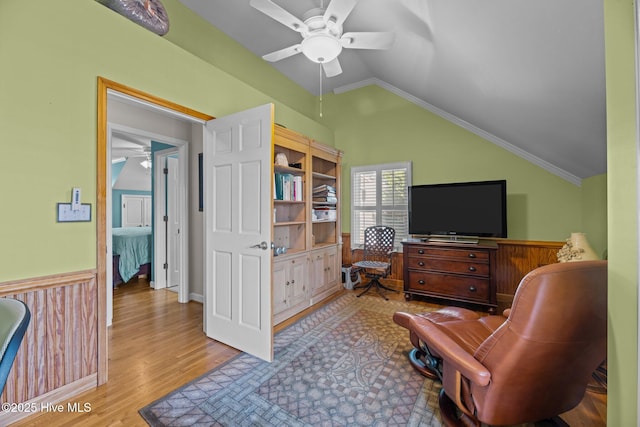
(454, 272)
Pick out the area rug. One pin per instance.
(343, 365)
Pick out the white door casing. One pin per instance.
(180, 255)
(174, 234)
(238, 169)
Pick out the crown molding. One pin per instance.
(465, 125)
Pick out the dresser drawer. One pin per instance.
(446, 285)
(448, 253)
(449, 266)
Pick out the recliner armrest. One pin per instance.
(450, 351)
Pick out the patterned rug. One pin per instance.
(343, 365)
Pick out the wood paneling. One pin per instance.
(514, 259)
(60, 345)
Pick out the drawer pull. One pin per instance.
(421, 251)
(421, 263)
(472, 268)
(420, 282)
(472, 289)
(472, 255)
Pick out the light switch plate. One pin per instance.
(66, 214)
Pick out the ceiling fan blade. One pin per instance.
(332, 68)
(282, 53)
(274, 11)
(338, 10)
(364, 40)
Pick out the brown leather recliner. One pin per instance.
(532, 363)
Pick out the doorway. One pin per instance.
(141, 226)
(147, 105)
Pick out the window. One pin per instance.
(379, 196)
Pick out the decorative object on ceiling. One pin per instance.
(322, 33)
(149, 14)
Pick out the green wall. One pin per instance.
(594, 212)
(622, 190)
(373, 125)
(52, 54)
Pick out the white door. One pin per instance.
(238, 165)
(174, 260)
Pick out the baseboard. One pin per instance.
(504, 301)
(196, 297)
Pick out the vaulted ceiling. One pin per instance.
(527, 75)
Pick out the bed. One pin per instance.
(131, 253)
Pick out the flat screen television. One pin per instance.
(456, 210)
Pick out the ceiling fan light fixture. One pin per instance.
(321, 48)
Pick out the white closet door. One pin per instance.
(136, 210)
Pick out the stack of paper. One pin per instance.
(325, 193)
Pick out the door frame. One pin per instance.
(103, 166)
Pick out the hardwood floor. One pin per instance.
(156, 345)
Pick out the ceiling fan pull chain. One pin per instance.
(320, 68)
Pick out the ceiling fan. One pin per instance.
(124, 146)
(322, 34)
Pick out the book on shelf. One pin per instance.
(324, 187)
(327, 199)
(287, 187)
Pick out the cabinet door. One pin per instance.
(331, 267)
(298, 276)
(317, 275)
(146, 211)
(280, 285)
(134, 210)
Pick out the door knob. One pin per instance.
(262, 245)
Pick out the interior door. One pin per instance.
(174, 258)
(237, 213)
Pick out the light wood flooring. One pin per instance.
(156, 345)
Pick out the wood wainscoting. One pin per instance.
(514, 259)
(58, 357)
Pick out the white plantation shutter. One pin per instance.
(379, 197)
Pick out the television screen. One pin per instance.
(459, 209)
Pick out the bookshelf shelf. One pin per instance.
(323, 176)
(288, 223)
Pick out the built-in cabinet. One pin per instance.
(306, 222)
(136, 210)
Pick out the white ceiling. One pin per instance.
(527, 75)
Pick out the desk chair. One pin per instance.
(14, 319)
(376, 262)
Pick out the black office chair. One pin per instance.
(376, 262)
(14, 319)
